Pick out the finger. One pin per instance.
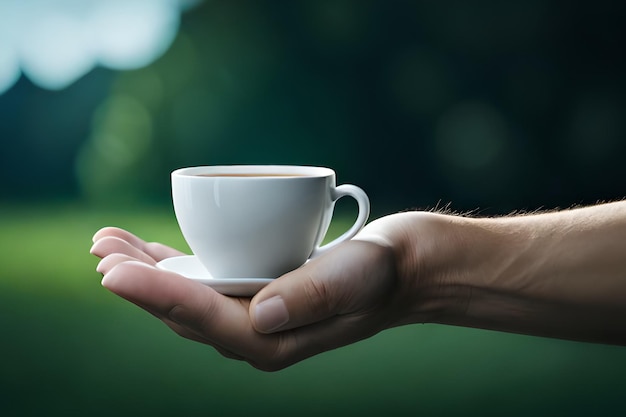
(230, 355)
(155, 250)
(111, 244)
(218, 320)
(342, 297)
(307, 341)
(351, 278)
(183, 331)
(191, 335)
(109, 261)
(117, 232)
(227, 328)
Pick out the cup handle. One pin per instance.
(364, 211)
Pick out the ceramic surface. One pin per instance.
(190, 267)
(260, 226)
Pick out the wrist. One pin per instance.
(432, 267)
(444, 261)
(435, 259)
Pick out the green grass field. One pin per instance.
(71, 348)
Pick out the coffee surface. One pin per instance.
(251, 175)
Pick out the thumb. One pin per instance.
(331, 285)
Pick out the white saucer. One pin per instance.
(190, 267)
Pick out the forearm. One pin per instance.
(560, 274)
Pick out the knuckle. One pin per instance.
(318, 297)
(278, 356)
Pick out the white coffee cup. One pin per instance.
(259, 221)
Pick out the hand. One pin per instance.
(558, 274)
(346, 295)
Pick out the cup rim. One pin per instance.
(298, 171)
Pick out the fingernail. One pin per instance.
(95, 249)
(271, 314)
(109, 262)
(100, 267)
(110, 278)
(105, 282)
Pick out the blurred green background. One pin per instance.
(486, 105)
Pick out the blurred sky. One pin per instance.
(489, 105)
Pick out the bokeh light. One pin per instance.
(421, 82)
(595, 128)
(471, 136)
(120, 140)
(58, 41)
(9, 60)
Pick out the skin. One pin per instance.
(560, 274)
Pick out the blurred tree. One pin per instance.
(496, 105)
